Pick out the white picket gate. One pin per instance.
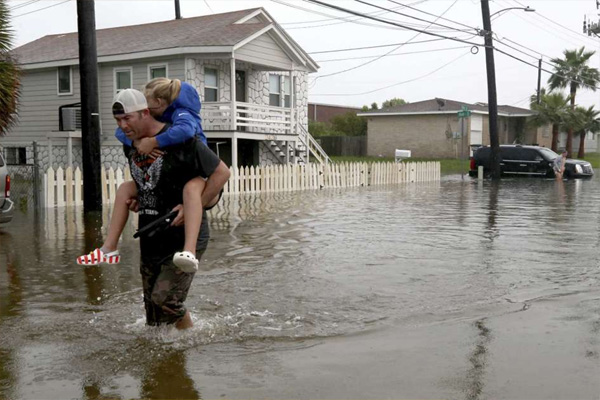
(65, 187)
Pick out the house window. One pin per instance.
(287, 91)
(15, 155)
(211, 86)
(122, 79)
(64, 77)
(274, 91)
(157, 71)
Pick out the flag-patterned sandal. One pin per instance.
(97, 257)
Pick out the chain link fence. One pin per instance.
(26, 185)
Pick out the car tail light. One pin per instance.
(7, 187)
(472, 165)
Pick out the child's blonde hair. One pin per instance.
(163, 88)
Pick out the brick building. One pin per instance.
(324, 112)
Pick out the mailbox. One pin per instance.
(401, 155)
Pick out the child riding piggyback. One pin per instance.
(178, 104)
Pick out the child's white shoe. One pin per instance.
(185, 261)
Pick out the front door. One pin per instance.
(240, 94)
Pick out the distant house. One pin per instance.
(431, 128)
(261, 119)
(319, 112)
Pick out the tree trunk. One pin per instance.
(581, 152)
(570, 130)
(554, 137)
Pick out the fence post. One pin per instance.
(36, 177)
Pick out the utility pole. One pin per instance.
(90, 118)
(177, 10)
(491, 81)
(539, 80)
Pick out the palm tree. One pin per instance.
(552, 109)
(9, 74)
(572, 71)
(589, 123)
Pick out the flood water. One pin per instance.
(287, 272)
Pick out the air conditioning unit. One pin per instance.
(71, 118)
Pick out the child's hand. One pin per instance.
(132, 203)
(148, 146)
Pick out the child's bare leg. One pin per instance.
(192, 211)
(119, 215)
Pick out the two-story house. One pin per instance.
(250, 74)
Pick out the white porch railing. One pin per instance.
(65, 187)
(254, 118)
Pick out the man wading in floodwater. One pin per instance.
(160, 183)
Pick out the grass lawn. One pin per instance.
(448, 165)
(592, 158)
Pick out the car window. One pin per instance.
(531, 155)
(548, 154)
(509, 153)
(1, 161)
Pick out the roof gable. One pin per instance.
(216, 33)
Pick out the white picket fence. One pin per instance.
(65, 187)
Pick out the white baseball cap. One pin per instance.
(128, 101)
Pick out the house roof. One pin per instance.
(444, 106)
(209, 31)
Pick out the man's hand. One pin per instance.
(179, 219)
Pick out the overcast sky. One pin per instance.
(443, 68)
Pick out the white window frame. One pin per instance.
(211, 87)
(156, 66)
(121, 69)
(285, 93)
(70, 92)
(277, 93)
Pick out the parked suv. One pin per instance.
(529, 161)
(6, 205)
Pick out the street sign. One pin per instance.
(464, 112)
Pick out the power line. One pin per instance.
(433, 15)
(209, 7)
(396, 84)
(579, 34)
(321, 3)
(40, 9)
(416, 18)
(344, 19)
(390, 55)
(373, 47)
(383, 55)
(333, 19)
(23, 5)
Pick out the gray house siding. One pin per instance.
(264, 51)
(38, 105)
(175, 70)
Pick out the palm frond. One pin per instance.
(9, 73)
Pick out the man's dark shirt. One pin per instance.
(160, 185)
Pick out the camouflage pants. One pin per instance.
(165, 290)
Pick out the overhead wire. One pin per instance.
(418, 19)
(390, 22)
(379, 57)
(578, 34)
(390, 55)
(398, 83)
(428, 13)
(40, 9)
(331, 19)
(25, 4)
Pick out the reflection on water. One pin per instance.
(282, 269)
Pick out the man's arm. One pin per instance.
(215, 183)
